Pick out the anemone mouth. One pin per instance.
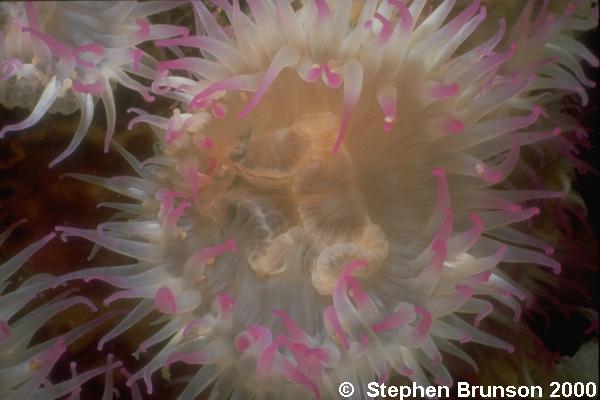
(275, 174)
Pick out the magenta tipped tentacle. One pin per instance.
(164, 301)
(353, 80)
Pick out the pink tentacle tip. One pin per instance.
(52, 352)
(242, 343)
(517, 316)
(209, 253)
(323, 10)
(594, 61)
(10, 68)
(438, 172)
(143, 347)
(557, 269)
(89, 303)
(93, 88)
(426, 321)
(388, 123)
(382, 377)
(387, 103)
(406, 18)
(291, 326)
(536, 112)
(452, 126)
(485, 276)
(314, 73)
(211, 167)
(97, 49)
(439, 246)
(357, 292)
(148, 381)
(146, 95)
(46, 239)
(569, 9)
(465, 338)
(464, 291)
(226, 302)
(436, 360)
(5, 331)
(164, 301)
(123, 294)
(218, 110)
(386, 31)
(264, 364)
(144, 29)
(331, 77)
(136, 55)
(160, 85)
(441, 91)
(66, 232)
(182, 31)
(476, 219)
(230, 245)
(493, 176)
(485, 311)
(514, 207)
(198, 102)
(396, 319)
(482, 13)
(556, 131)
(206, 143)
(136, 110)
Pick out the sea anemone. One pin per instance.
(67, 54)
(346, 194)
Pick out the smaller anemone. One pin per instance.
(69, 54)
(25, 366)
